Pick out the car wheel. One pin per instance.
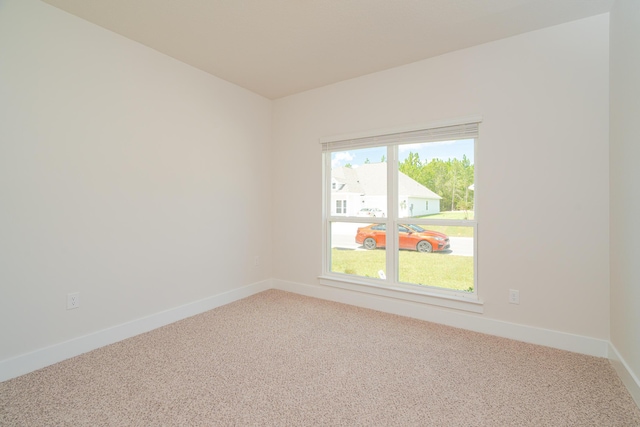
(369, 243)
(424, 246)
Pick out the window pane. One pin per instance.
(436, 178)
(358, 249)
(430, 256)
(359, 182)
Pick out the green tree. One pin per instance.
(450, 179)
(412, 166)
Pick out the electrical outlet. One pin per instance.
(73, 300)
(256, 261)
(514, 296)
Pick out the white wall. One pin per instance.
(419, 206)
(542, 157)
(625, 178)
(126, 175)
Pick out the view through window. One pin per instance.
(403, 213)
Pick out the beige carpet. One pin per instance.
(278, 359)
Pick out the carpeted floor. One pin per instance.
(278, 359)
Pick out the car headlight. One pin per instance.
(438, 238)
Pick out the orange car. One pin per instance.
(411, 237)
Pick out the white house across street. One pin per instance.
(362, 191)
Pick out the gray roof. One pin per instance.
(371, 180)
(347, 179)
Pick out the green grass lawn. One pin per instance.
(441, 270)
(451, 230)
(451, 215)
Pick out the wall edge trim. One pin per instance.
(628, 378)
(469, 321)
(46, 356)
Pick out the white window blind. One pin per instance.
(433, 133)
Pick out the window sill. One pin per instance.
(423, 296)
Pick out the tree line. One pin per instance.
(450, 179)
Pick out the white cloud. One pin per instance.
(339, 157)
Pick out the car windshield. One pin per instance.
(415, 228)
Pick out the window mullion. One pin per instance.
(392, 217)
(326, 212)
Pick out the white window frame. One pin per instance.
(466, 128)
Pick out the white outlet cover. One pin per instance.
(73, 300)
(514, 296)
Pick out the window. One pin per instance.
(416, 190)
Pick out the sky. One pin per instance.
(443, 150)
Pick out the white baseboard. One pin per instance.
(25, 363)
(629, 379)
(458, 319)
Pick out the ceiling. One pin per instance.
(280, 47)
